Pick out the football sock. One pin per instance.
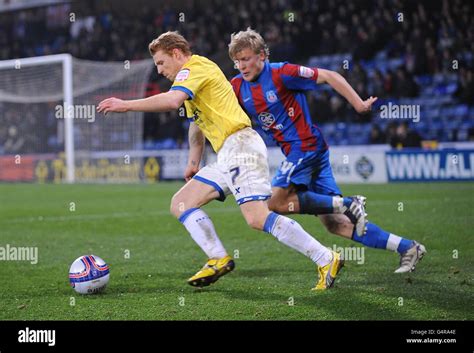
(200, 226)
(314, 204)
(380, 239)
(290, 233)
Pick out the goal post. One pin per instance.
(49, 102)
(66, 61)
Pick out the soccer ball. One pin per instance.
(89, 274)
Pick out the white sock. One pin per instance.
(200, 226)
(290, 233)
(393, 242)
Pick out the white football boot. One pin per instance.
(356, 213)
(411, 257)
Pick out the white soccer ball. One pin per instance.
(89, 274)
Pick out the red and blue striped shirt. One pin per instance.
(277, 102)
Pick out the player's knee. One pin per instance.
(255, 221)
(173, 208)
(177, 206)
(183, 201)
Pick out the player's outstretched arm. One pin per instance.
(161, 102)
(339, 83)
(196, 149)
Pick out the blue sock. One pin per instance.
(314, 204)
(270, 222)
(380, 239)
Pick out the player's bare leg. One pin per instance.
(193, 194)
(185, 205)
(290, 233)
(337, 224)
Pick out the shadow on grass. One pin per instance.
(376, 300)
(362, 296)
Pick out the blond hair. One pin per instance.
(247, 39)
(169, 41)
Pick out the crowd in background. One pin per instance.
(426, 35)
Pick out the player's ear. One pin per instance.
(175, 53)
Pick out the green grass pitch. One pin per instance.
(270, 282)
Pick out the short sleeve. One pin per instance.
(189, 80)
(299, 77)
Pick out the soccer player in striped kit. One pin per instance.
(273, 94)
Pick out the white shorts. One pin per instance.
(241, 168)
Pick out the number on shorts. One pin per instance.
(286, 166)
(235, 171)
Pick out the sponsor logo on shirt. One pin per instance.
(306, 72)
(182, 75)
(267, 120)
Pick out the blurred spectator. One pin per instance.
(404, 86)
(465, 90)
(431, 60)
(405, 137)
(377, 136)
(14, 142)
(377, 82)
(320, 108)
(388, 84)
(358, 76)
(391, 133)
(470, 134)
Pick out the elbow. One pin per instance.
(333, 75)
(327, 76)
(174, 104)
(333, 78)
(176, 99)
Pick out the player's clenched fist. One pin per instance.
(112, 105)
(190, 171)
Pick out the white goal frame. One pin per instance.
(66, 61)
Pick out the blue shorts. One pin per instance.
(311, 171)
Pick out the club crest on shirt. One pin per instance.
(271, 96)
(182, 75)
(305, 72)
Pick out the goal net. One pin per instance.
(48, 106)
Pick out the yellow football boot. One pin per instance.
(328, 273)
(212, 271)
